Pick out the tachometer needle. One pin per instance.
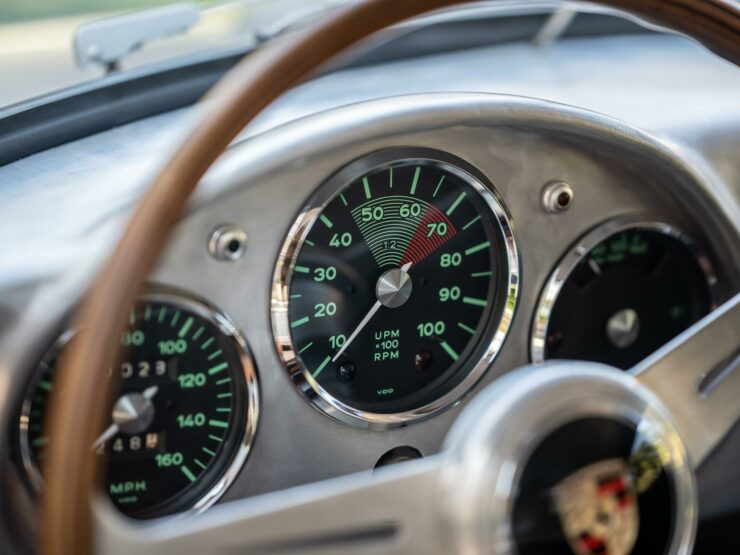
(358, 329)
(370, 314)
(113, 429)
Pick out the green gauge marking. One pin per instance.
(477, 248)
(471, 222)
(415, 181)
(474, 301)
(449, 350)
(455, 204)
(186, 327)
(322, 366)
(326, 221)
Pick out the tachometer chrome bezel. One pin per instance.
(574, 255)
(494, 338)
(176, 298)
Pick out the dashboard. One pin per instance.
(344, 282)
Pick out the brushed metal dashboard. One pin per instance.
(677, 166)
(500, 136)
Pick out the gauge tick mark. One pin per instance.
(436, 190)
(366, 186)
(321, 366)
(455, 204)
(216, 369)
(477, 248)
(468, 329)
(474, 301)
(186, 327)
(471, 222)
(299, 322)
(186, 471)
(326, 221)
(415, 180)
(449, 350)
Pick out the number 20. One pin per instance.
(328, 309)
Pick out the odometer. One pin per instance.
(183, 419)
(395, 288)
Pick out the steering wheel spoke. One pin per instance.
(388, 511)
(697, 377)
(398, 509)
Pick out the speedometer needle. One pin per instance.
(371, 313)
(113, 429)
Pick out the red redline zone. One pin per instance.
(422, 245)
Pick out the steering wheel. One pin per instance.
(481, 492)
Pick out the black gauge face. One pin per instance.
(630, 294)
(397, 286)
(180, 416)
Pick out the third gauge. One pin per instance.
(624, 290)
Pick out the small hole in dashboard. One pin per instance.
(397, 455)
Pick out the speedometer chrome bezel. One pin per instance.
(582, 247)
(229, 329)
(495, 335)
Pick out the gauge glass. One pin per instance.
(621, 293)
(395, 292)
(185, 413)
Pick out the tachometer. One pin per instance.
(395, 287)
(185, 414)
(622, 292)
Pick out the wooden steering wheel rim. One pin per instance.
(71, 473)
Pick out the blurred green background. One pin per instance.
(26, 10)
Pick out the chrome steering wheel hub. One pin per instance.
(569, 457)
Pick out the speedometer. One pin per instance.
(395, 288)
(184, 416)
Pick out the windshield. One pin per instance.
(37, 54)
(53, 9)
